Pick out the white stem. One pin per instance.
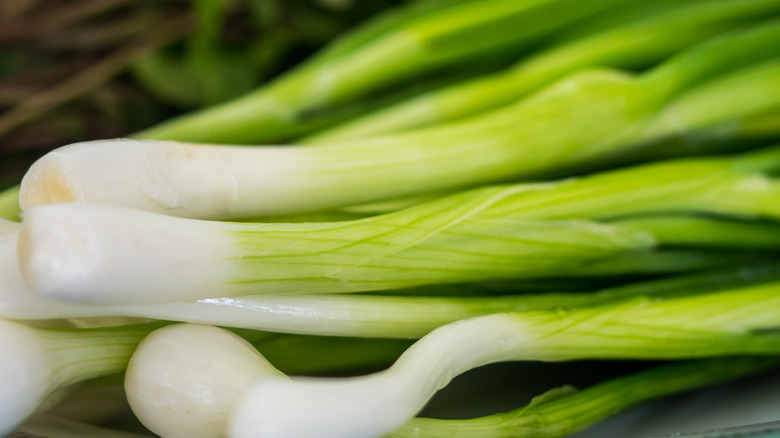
(26, 374)
(184, 380)
(7, 226)
(173, 178)
(14, 294)
(370, 406)
(91, 253)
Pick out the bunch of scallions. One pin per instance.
(599, 184)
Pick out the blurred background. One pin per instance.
(73, 70)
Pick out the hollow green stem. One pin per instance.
(642, 41)
(400, 48)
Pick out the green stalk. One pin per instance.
(767, 124)
(739, 185)
(564, 410)
(376, 28)
(731, 136)
(88, 353)
(707, 232)
(82, 252)
(639, 42)
(413, 317)
(387, 53)
(743, 92)
(9, 204)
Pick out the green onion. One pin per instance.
(101, 254)
(604, 112)
(413, 316)
(735, 322)
(159, 387)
